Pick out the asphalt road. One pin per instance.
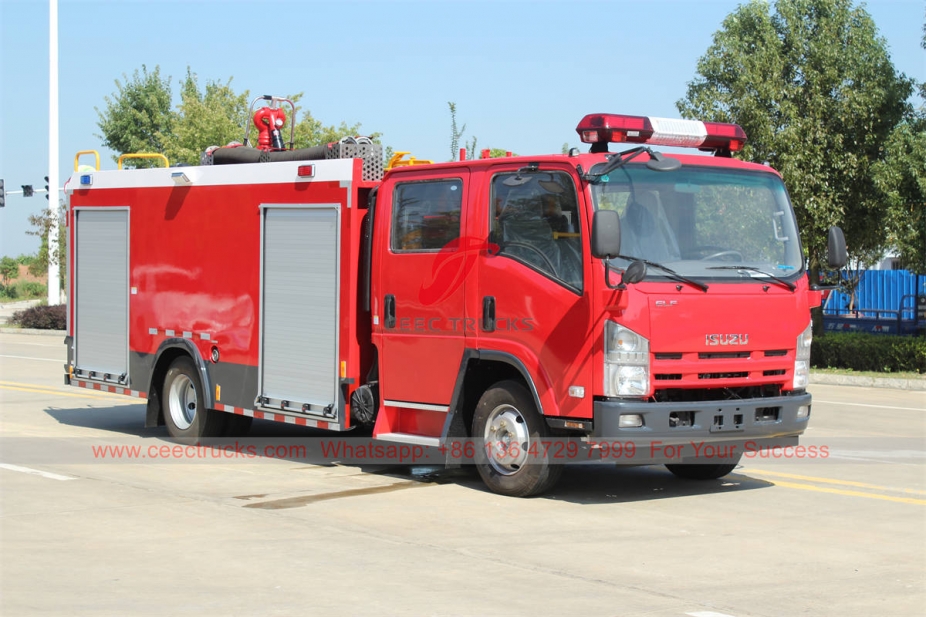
(837, 534)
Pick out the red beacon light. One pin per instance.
(602, 129)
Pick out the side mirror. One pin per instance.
(606, 234)
(634, 273)
(836, 255)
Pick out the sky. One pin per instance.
(522, 74)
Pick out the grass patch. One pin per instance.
(22, 290)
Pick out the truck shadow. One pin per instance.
(585, 484)
(594, 484)
(130, 420)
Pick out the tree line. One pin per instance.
(140, 117)
(812, 84)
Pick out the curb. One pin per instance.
(32, 331)
(818, 378)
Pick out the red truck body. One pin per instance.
(308, 292)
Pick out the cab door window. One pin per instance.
(426, 215)
(535, 221)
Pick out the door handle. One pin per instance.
(389, 306)
(488, 314)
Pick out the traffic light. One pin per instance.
(2, 195)
(28, 191)
(46, 188)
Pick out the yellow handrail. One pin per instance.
(144, 155)
(93, 152)
(397, 161)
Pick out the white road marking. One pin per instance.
(31, 358)
(707, 614)
(816, 400)
(36, 472)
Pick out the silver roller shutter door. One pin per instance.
(300, 305)
(102, 311)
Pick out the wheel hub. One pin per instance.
(507, 440)
(181, 402)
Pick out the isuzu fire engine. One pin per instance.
(652, 302)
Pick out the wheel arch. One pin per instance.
(479, 369)
(168, 351)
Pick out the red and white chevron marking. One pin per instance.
(279, 417)
(102, 387)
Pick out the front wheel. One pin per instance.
(509, 454)
(702, 472)
(184, 409)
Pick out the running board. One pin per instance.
(418, 440)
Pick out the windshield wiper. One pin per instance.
(656, 162)
(791, 286)
(672, 273)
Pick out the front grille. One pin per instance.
(695, 375)
(695, 395)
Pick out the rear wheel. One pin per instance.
(182, 403)
(508, 430)
(702, 472)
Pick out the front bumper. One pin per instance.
(702, 432)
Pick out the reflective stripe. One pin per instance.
(422, 406)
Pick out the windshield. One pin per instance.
(700, 221)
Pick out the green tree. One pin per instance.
(42, 224)
(902, 178)
(456, 133)
(214, 116)
(138, 116)
(9, 269)
(313, 132)
(812, 84)
(472, 145)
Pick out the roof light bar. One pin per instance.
(599, 128)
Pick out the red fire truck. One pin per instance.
(635, 299)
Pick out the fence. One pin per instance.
(885, 299)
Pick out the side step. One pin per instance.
(418, 440)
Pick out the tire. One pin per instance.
(183, 406)
(702, 472)
(506, 414)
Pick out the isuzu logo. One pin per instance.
(726, 339)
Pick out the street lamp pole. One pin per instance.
(54, 287)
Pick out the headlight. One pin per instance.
(626, 362)
(802, 358)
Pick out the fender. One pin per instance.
(453, 425)
(188, 346)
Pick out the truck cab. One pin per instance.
(652, 302)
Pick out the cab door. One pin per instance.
(531, 291)
(418, 295)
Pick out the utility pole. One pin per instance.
(54, 286)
